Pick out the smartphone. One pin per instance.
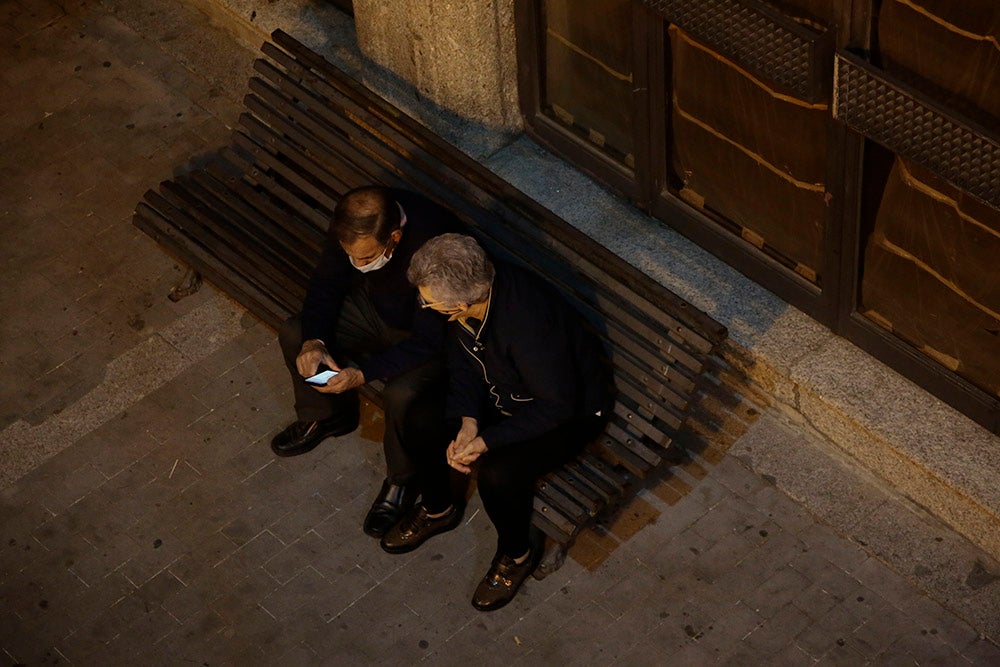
(321, 378)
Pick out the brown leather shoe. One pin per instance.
(501, 582)
(416, 528)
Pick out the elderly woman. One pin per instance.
(528, 385)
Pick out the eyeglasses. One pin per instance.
(424, 303)
(445, 307)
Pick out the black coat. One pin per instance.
(393, 297)
(531, 359)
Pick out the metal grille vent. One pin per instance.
(907, 122)
(760, 39)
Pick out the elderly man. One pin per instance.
(360, 308)
(527, 382)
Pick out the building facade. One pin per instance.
(845, 154)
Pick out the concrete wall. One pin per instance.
(460, 55)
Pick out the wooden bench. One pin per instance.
(253, 222)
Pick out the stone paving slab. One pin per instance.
(715, 579)
(143, 519)
(903, 535)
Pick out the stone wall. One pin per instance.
(459, 55)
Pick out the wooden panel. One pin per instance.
(930, 273)
(588, 81)
(952, 46)
(813, 12)
(755, 156)
(946, 230)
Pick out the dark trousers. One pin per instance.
(506, 478)
(413, 401)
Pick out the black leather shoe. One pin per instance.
(301, 437)
(501, 582)
(416, 528)
(392, 502)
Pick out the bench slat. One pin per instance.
(645, 405)
(230, 248)
(542, 522)
(288, 256)
(302, 122)
(620, 432)
(557, 519)
(259, 177)
(562, 502)
(263, 223)
(611, 449)
(641, 427)
(306, 235)
(187, 224)
(151, 221)
(266, 157)
(580, 493)
(592, 482)
(295, 146)
(337, 131)
(651, 384)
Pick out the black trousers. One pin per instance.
(413, 401)
(506, 477)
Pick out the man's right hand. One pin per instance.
(312, 354)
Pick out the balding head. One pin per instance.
(365, 211)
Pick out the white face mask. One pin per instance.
(373, 265)
(382, 259)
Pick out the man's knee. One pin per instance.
(398, 396)
(290, 336)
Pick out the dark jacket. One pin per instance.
(531, 359)
(393, 297)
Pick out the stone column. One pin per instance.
(460, 54)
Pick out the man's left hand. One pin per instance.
(348, 378)
(461, 459)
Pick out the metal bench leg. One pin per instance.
(187, 285)
(553, 556)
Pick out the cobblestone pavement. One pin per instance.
(144, 520)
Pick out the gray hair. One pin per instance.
(454, 267)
